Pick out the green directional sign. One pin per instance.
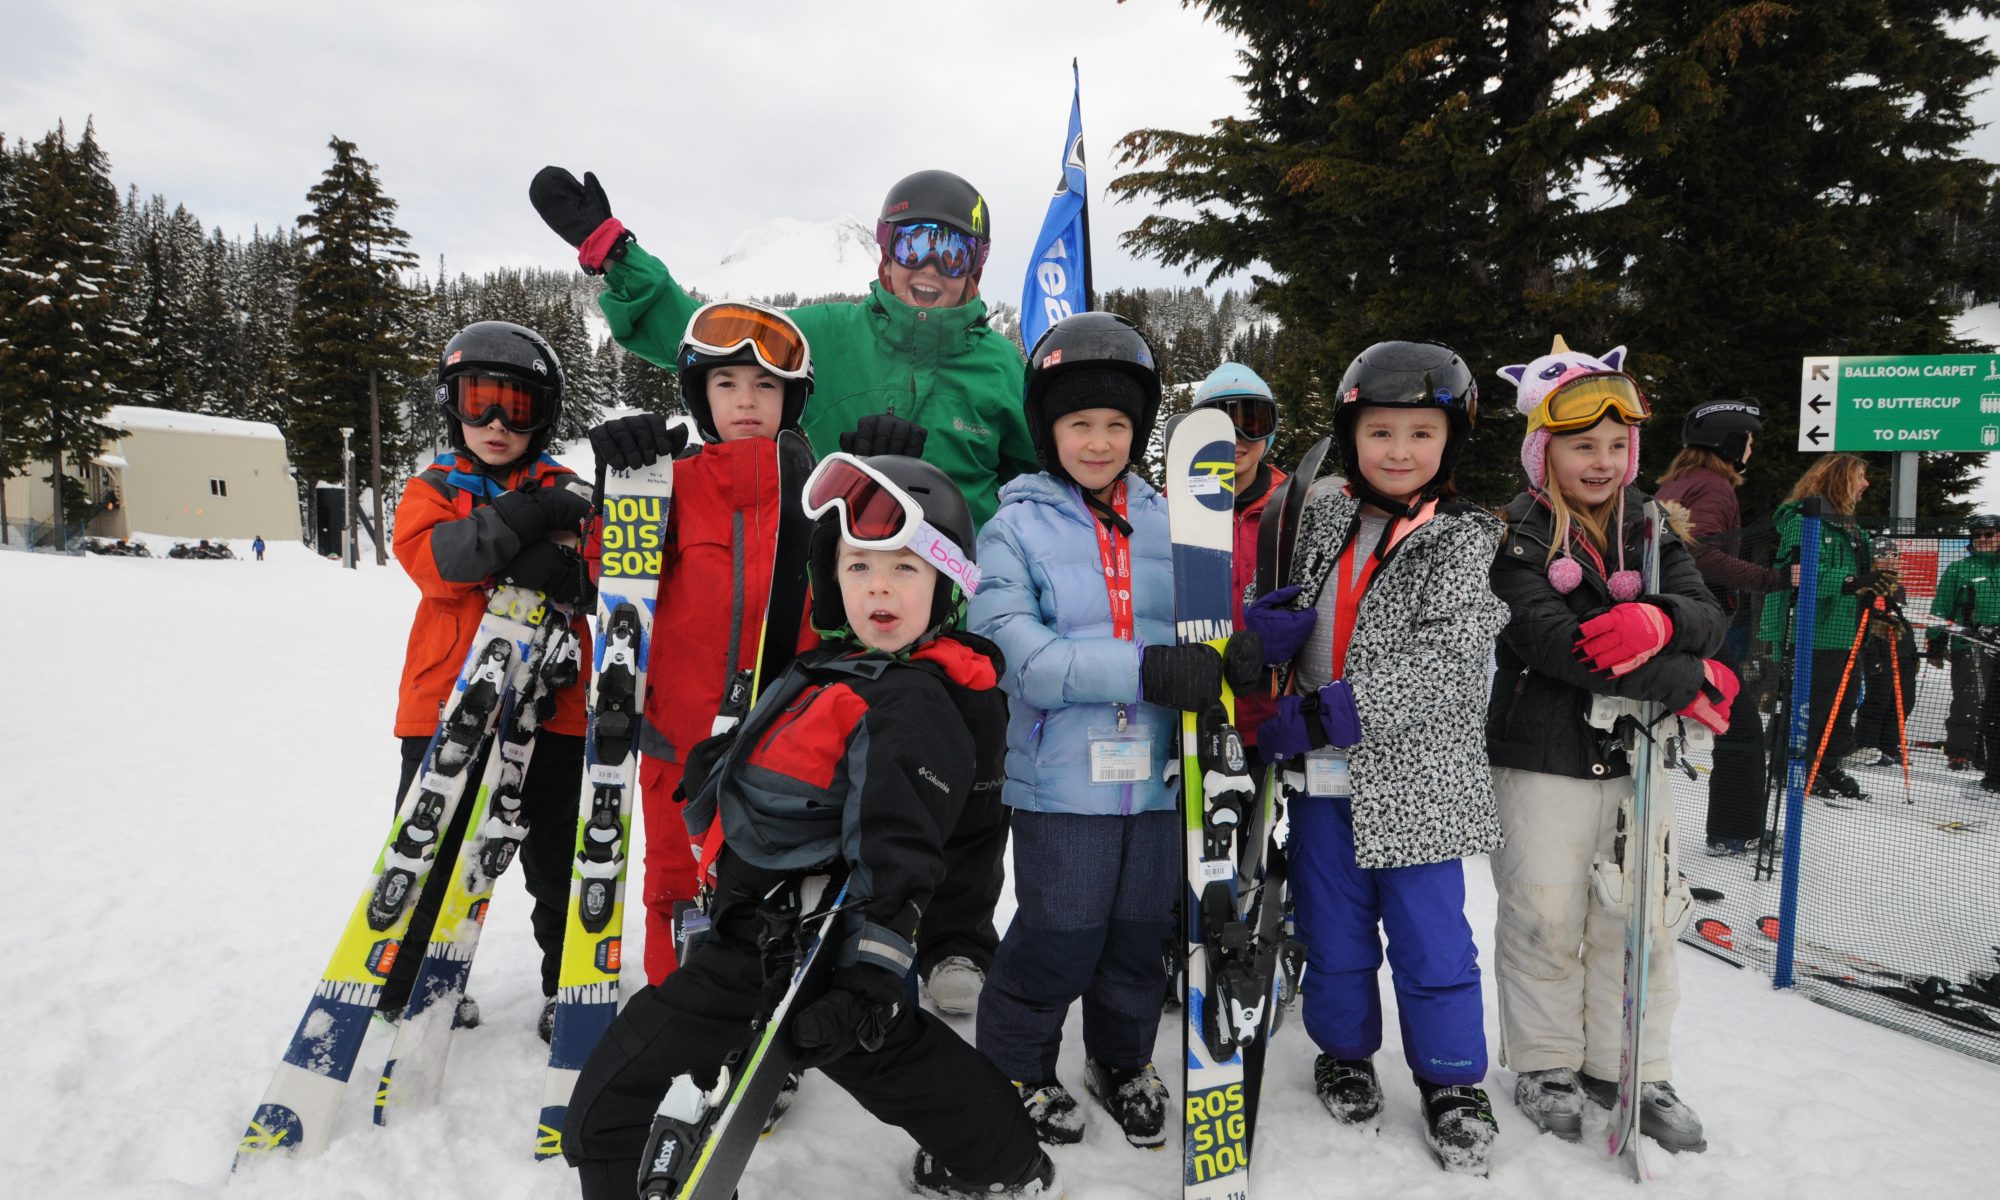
(1918, 402)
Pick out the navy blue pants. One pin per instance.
(1096, 902)
(1343, 909)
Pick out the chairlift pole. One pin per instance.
(347, 547)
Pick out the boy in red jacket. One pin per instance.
(493, 510)
(745, 372)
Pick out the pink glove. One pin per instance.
(1718, 691)
(1620, 641)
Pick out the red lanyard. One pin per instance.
(1347, 600)
(1114, 549)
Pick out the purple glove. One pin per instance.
(1311, 722)
(1284, 629)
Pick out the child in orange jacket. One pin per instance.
(492, 510)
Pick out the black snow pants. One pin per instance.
(960, 918)
(924, 1079)
(549, 801)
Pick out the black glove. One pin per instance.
(574, 210)
(535, 513)
(637, 441)
(556, 571)
(1185, 677)
(1868, 584)
(1935, 653)
(1243, 659)
(884, 433)
(855, 1013)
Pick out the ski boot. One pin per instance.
(787, 1092)
(1458, 1126)
(1348, 1088)
(1057, 1119)
(954, 984)
(545, 1025)
(1136, 1099)
(1553, 1101)
(1663, 1115)
(928, 1177)
(1837, 784)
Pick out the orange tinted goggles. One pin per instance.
(727, 326)
(1584, 401)
(479, 399)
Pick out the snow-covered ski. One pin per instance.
(701, 1140)
(635, 506)
(1224, 998)
(414, 1072)
(297, 1112)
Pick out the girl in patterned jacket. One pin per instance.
(1382, 636)
(1078, 595)
(1583, 625)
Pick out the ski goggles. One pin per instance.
(479, 400)
(875, 514)
(726, 326)
(1254, 416)
(1588, 399)
(955, 253)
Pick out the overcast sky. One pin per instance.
(701, 120)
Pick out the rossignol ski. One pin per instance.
(414, 1072)
(1224, 998)
(701, 1139)
(297, 1112)
(635, 505)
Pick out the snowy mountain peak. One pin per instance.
(787, 255)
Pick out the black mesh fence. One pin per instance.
(1859, 856)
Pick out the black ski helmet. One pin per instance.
(1090, 341)
(1724, 426)
(944, 509)
(505, 349)
(1982, 522)
(936, 196)
(692, 365)
(1418, 375)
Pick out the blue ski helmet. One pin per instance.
(1234, 381)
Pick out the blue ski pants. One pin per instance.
(1342, 911)
(1096, 902)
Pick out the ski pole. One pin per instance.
(1902, 728)
(1839, 694)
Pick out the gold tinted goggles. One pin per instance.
(1588, 399)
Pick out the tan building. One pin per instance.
(177, 474)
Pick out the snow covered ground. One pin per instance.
(196, 762)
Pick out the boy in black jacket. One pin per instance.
(854, 763)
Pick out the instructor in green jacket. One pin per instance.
(912, 369)
(919, 347)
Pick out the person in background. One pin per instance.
(258, 546)
(1253, 410)
(1968, 600)
(1847, 578)
(1889, 661)
(1716, 442)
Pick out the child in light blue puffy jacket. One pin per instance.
(1078, 594)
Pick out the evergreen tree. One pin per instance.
(351, 317)
(1406, 171)
(1790, 184)
(61, 333)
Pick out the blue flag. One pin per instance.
(1058, 282)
